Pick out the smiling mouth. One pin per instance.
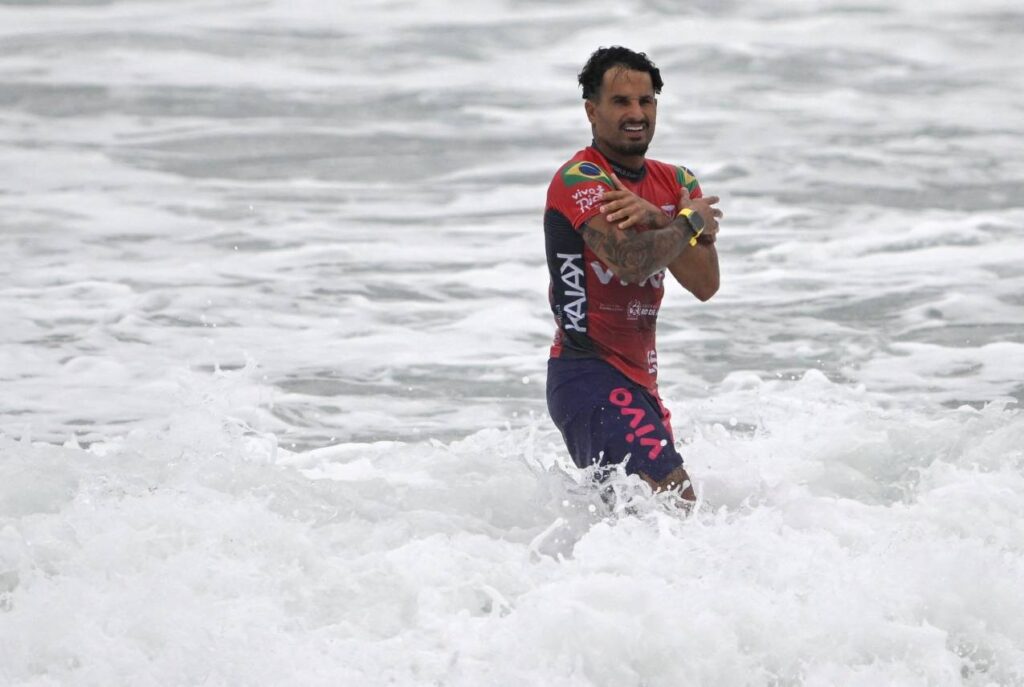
(634, 128)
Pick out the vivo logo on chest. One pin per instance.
(605, 276)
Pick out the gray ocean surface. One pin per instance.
(274, 332)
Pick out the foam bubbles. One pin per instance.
(886, 545)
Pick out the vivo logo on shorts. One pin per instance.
(623, 399)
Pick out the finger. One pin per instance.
(630, 221)
(616, 216)
(618, 184)
(717, 213)
(614, 206)
(684, 195)
(613, 200)
(623, 213)
(710, 200)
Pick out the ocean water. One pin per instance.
(274, 333)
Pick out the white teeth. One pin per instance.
(633, 128)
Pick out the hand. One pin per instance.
(705, 208)
(627, 209)
(677, 481)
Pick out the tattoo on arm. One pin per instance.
(636, 256)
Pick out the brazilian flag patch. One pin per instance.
(581, 172)
(685, 178)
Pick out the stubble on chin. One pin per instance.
(631, 149)
(626, 149)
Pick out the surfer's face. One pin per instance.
(623, 114)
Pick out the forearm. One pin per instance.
(633, 256)
(697, 270)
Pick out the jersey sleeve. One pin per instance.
(577, 189)
(686, 178)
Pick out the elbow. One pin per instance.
(706, 291)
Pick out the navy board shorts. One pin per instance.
(607, 418)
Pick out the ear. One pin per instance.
(588, 105)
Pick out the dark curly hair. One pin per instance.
(616, 56)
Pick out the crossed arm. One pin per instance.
(633, 256)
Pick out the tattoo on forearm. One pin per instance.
(637, 255)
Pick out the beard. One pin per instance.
(625, 148)
(630, 149)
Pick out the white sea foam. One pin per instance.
(841, 541)
(274, 332)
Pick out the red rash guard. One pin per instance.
(599, 316)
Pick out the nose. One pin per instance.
(634, 111)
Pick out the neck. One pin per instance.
(631, 167)
(632, 162)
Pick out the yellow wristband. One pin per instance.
(688, 213)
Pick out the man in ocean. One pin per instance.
(614, 222)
